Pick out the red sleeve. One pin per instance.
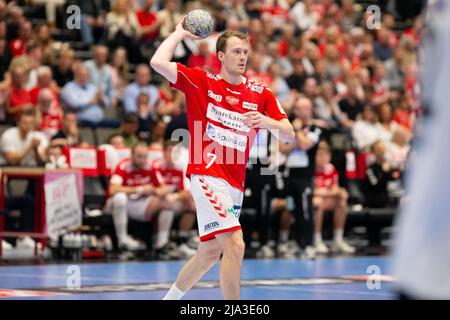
(188, 79)
(272, 107)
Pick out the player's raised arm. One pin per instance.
(161, 60)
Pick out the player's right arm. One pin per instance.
(161, 61)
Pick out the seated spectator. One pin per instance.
(398, 149)
(92, 18)
(119, 69)
(395, 75)
(142, 83)
(149, 22)
(18, 46)
(100, 73)
(387, 125)
(145, 114)
(326, 106)
(45, 81)
(156, 150)
(136, 191)
(43, 38)
(15, 18)
(404, 114)
(367, 130)
(51, 7)
(84, 98)
(23, 145)
(19, 98)
(128, 129)
(204, 59)
(68, 135)
(297, 79)
(63, 70)
(328, 196)
(123, 29)
(351, 105)
(49, 112)
(378, 174)
(55, 158)
(117, 141)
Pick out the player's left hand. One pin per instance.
(255, 119)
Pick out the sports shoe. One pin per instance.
(164, 253)
(321, 247)
(342, 247)
(309, 253)
(130, 244)
(27, 243)
(266, 252)
(184, 252)
(6, 245)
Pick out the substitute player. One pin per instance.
(224, 111)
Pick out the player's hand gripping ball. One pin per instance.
(199, 22)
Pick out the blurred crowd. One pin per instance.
(325, 57)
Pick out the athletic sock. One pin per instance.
(174, 293)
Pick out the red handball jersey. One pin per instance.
(327, 178)
(219, 140)
(171, 177)
(128, 176)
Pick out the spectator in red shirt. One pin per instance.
(149, 22)
(50, 112)
(328, 196)
(19, 98)
(44, 81)
(204, 59)
(18, 45)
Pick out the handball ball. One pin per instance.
(199, 22)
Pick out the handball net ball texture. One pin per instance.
(199, 22)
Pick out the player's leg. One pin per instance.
(320, 204)
(230, 268)
(117, 204)
(340, 217)
(208, 253)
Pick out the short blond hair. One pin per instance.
(221, 44)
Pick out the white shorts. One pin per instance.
(136, 209)
(218, 206)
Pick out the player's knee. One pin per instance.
(235, 248)
(120, 199)
(213, 254)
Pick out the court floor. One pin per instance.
(339, 278)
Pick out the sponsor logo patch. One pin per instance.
(213, 76)
(236, 211)
(256, 88)
(249, 105)
(228, 118)
(226, 137)
(212, 225)
(232, 100)
(214, 96)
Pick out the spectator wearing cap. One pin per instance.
(141, 84)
